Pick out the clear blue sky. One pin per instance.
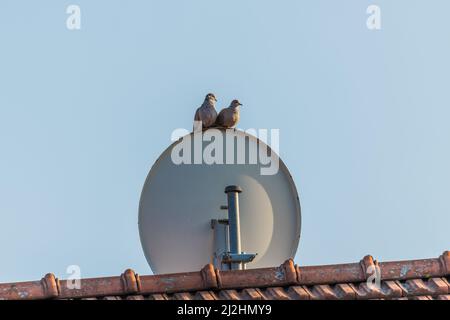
(363, 118)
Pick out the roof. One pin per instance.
(412, 279)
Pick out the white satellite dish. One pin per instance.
(182, 221)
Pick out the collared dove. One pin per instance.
(229, 117)
(206, 114)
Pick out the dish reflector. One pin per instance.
(178, 203)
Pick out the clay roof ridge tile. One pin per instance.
(130, 282)
(445, 262)
(369, 267)
(209, 277)
(50, 286)
(290, 272)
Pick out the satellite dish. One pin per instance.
(180, 203)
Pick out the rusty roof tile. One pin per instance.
(386, 290)
(229, 295)
(209, 276)
(93, 287)
(422, 298)
(321, 292)
(391, 289)
(50, 286)
(426, 278)
(413, 287)
(350, 272)
(30, 290)
(135, 297)
(403, 270)
(344, 291)
(275, 293)
(179, 282)
(251, 294)
(416, 287)
(130, 281)
(445, 262)
(183, 296)
(368, 265)
(298, 293)
(439, 285)
(158, 297)
(111, 298)
(264, 277)
(204, 295)
(290, 272)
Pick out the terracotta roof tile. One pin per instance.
(344, 291)
(136, 297)
(298, 293)
(158, 297)
(414, 279)
(276, 293)
(321, 292)
(229, 295)
(250, 294)
(183, 296)
(387, 290)
(204, 295)
(433, 286)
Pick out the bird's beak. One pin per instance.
(240, 104)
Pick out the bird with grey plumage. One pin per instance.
(206, 114)
(229, 117)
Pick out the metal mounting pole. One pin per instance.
(227, 235)
(234, 225)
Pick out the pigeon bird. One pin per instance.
(206, 113)
(229, 117)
